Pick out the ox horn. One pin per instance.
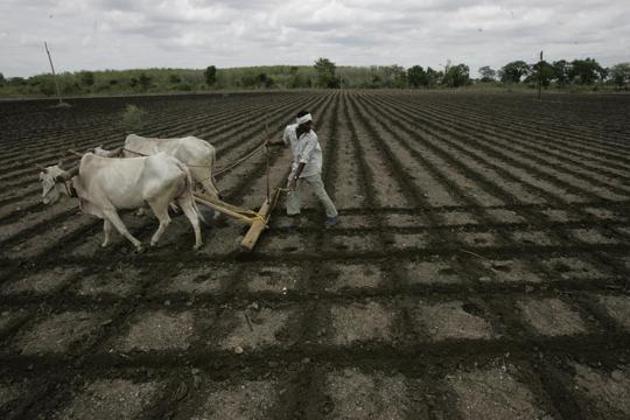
(73, 172)
(41, 167)
(74, 152)
(67, 174)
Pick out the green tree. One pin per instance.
(144, 82)
(561, 72)
(395, 76)
(326, 73)
(543, 72)
(514, 71)
(210, 75)
(456, 76)
(376, 82)
(87, 78)
(416, 77)
(294, 77)
(620, 74)
(264, 81)
(585, 72)
(16, 81)
(2, 79)
(433, 77)
(174, 79)
(488, 74)
(399, 75)
(44, 83)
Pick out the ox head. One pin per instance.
(52, 179)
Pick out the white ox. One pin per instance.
(197, 154)
(105, 185)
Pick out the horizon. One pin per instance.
(473, 72)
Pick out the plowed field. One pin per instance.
(480, 268)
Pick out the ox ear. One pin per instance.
(41, 168)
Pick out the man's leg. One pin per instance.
(294, 200)
(315, 181)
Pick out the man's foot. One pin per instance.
(330, 221)
(292, 223)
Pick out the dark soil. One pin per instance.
(479, 270)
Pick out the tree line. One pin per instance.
(322, 74)
(561, 73)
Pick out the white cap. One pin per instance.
(304, 119)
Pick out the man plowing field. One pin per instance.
(306, 168)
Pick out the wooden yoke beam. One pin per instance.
(225, 209)
(260, 224)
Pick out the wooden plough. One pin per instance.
(258, 221)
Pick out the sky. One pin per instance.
(123, 34)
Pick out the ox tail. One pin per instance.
(189, 187)
(212, 179)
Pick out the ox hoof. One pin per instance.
(140, 249)
(197, 247)
(104, 245)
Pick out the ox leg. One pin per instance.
(190, 210)
(107, 231)
(161, 212)
(114, 219)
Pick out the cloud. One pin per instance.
(98, 34)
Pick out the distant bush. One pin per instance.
(133, 118)
(16, 81)
(87, 78)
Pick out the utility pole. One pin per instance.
(540, 76)
(53, 73)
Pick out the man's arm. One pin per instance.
(305, 157)
(296, 176)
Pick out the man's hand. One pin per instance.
(292, 184)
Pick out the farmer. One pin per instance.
(306, 168)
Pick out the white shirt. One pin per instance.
(305, 150)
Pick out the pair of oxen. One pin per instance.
(146, 171)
